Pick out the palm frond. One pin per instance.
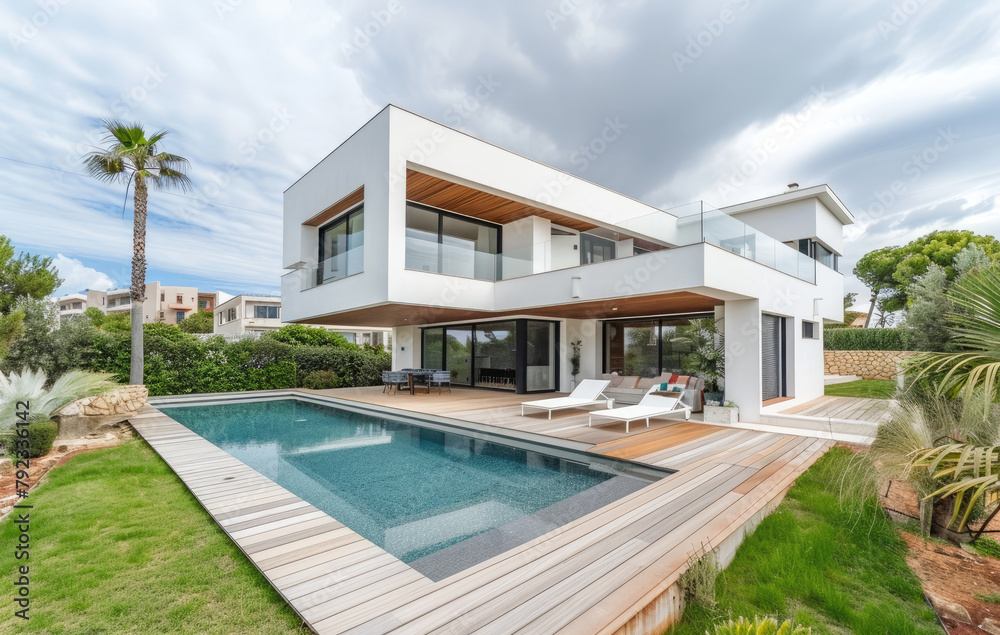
(971, 473)
(29, 386)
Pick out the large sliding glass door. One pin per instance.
(516, 355)
(458, 354)
(496, 345)
(649, 347)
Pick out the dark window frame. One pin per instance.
(340, 219)
(813, 328)
(658, 320)
(520, 351)
(442, 213)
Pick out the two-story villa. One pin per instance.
(491, 265)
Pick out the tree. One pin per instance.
(25, 277)
(888, 272)
(200, 322)
(850, 299)
(129, 156)
(925, 316)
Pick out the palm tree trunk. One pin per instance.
(138, 291)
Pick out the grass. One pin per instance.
(817, 563)
(986, 547)
(992, 598)
(864, 388)
(119, 545)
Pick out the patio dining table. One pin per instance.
(417, 372)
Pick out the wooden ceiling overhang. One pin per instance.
(388, 315)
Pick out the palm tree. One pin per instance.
(130, 155)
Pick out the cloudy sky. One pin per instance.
(895, 105)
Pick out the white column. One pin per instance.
(743, 357)
(405, 347)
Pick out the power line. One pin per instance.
(193, 198)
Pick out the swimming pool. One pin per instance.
(435, 498)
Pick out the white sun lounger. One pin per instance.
(651, 407)
(588, 393)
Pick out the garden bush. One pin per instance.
(355, 366)
(321, 380)
(866, 340)
(42, 436)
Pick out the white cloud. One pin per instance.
(77, 277)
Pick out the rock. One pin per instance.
(63, 448)
(6, 466)
(991, 626)
(950, 610)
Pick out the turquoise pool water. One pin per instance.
(409, 489)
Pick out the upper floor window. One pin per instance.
(77, 305)
(595, 249)
(442, 242)
(265, 312)
(341, 246)
(231, 315)
(203, 305)
(819, 253)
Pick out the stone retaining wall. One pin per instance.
(120, 401)
(864, 364)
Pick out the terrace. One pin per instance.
(727, 480)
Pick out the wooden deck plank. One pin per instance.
(340, 582)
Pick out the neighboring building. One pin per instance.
(258, 313)
(489, 264)
(859, 322)
(167, 304)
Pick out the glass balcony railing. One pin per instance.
(337, 267)
(679, 227)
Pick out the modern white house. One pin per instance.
(491, 265)
(250, 314)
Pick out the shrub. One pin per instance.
(866, 340)
(355, 367)
(759, 626)
(42, 435)
(321, 380)
(698, 580)
(297, 334)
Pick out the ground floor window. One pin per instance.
(516, 355)
(651, 346)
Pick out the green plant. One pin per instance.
(321, 380)
(310, 336)
(863, 389)
(992, 598)
(976, 332)
(970, 473)
(698, 580)
(987, 547)
(891, 339)
(199, 322)
(41, 435)
(758, 626)
(132, 157)
(30, 387)
(708, 357)
(574, 359)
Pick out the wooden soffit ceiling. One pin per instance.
(461, 199)
(386, 315)
(344, 204)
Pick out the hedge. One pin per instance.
(893, 339)
(179, 363)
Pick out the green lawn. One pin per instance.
(119, 545)
(866, 388)
(824, 566)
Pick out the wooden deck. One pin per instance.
(851, 408)
(613, 570)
